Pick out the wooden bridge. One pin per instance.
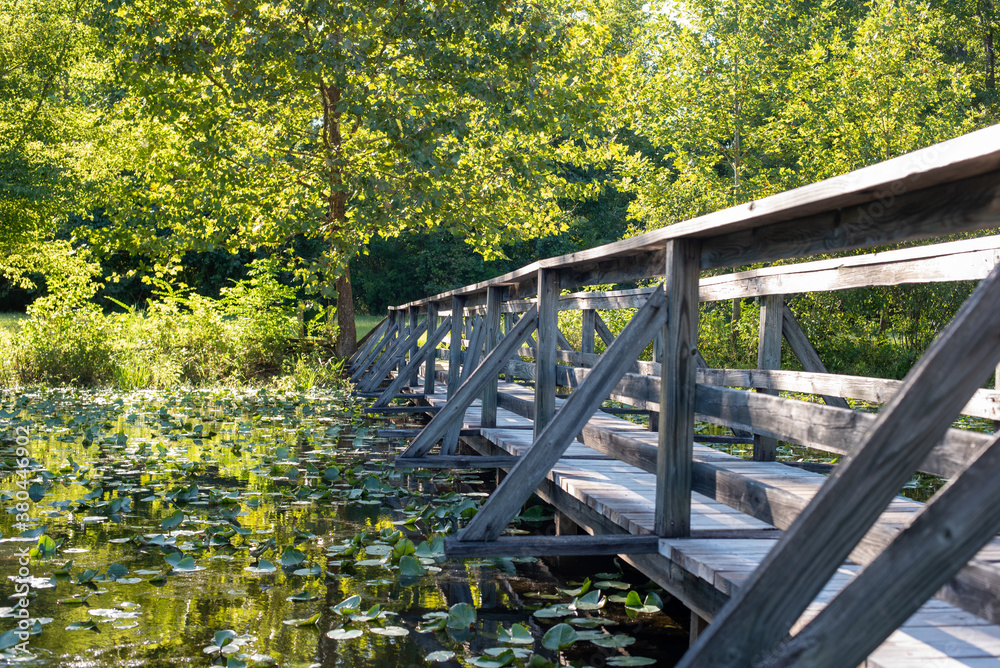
(790, 567)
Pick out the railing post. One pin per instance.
(414, 317)
(545, 352)
(677, 389)
(768, 357)
(588, 330)
(455, 351)
(429, 370)
(494, 300)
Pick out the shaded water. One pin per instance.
(189, 514)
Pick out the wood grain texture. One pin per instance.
(455, 345)
(494, 298)
(424, 354)
(431, 358)
(373, 353)
(549, 446)
(768, 357)
(951, 529)
(545, 350)
(803, 349)
(588, 331)
(366, 343)
(966, 260)
(454, 411)
(552, 546)
(849, 503)
(392, 357)
(677, 390)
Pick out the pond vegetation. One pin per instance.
(259, 527)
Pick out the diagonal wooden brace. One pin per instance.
(469, 391)
(947, 533)
(472, 355)
(367, 343)
(393, 357)
(428, 349)
(373, 354)
(550, 445)
(851, 500)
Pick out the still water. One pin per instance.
(259, 528)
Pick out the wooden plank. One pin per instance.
(424, 354)
(849, 503)
(768, 357)
(677, 391)
(414, 316)
(562, 342)
(984, 403)
(366, 343)
(954, 525)
(494, 298)
(588, 330)
(455, 345)
(804, 351)
(432, 321)
(549, 446)
(469, 365)
(410, 432)
(866, 207)
(393, 357)
(402, 409)
(454, 411)
(966, 260)
(456, 461)
(545, 355)
(374, 352)
(603, 330)
(552, 546)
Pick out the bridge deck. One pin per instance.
(729, 544)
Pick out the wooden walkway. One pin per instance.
(730, 544)
(792, 568)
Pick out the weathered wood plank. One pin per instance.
(469, 391)
(403, 409)
(545, 350)
(849, 503)
(431, 359)
(469, 364)
(588, 330)
(366, 343)
(603, 330)
(768, 357)
(414, 317)
(677, 390)
(549, 446)
(455, 344)
(424, 354)
(456, 461)
(389, 359)
(954, 525)
(966, 260)
(552, 546)
(373, 354)
(804, 351)
(494, 298)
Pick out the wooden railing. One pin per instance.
(945, 189)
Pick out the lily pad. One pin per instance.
(344, 634)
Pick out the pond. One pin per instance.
(262, 528)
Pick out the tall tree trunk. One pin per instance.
(347, 336)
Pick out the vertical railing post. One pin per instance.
(588, 330)
(768, 357)
(494, 300)
(996, 386)
(429, 370)
(508, 324)
(414, 318)
(545, 351)
(677, 392)
(455, 351)
(654, 416)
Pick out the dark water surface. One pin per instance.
(189, 514)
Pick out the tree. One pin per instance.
(343, 120)
(56, 148)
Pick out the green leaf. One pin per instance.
(518, 634)
(461, 616)
(440, 656)
(86, 576)
(410, 566)
(36, 492)
(307, 621)
(351, 604)
(172, 520)
(10, 638)
(559, 637)
(617, 640)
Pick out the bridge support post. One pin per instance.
(588, 331)
(545, 351)
(677, 390)
(414, 316)
(494, 300)
(768, 357)
(432, 325)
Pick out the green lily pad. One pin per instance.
(559, 637)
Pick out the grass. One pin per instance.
(366, 323)
(12, 321)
